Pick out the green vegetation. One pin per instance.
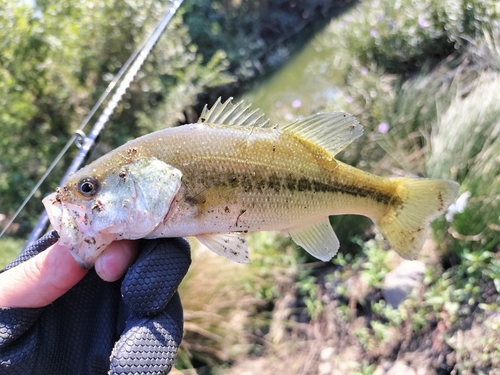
(57, 58)
(423, 79)
(10, 248)
(421, 76)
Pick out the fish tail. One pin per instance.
(420, 202)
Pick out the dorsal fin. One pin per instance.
(332, 131)
(228, 113)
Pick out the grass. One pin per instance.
(466, 148)
(9, 249)
(428, 71)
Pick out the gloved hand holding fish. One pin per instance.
(233, 173)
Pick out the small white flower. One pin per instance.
(458, 207)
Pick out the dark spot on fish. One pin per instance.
(304, 184)
(238, 218)
(245, 231)
(132, 151)
(274, 148)
(246, 183)
(319, 187)
(97, 206)
(259, 185)
(352, 127)
(233, 181)
(123, 174)
(441, 202)
(91, 241)
(227, 210)
(290, 182)
(191, 199)
(57, 198)
(274, 183)
(202, 119)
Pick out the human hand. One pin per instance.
(42, 279)
(132, 325)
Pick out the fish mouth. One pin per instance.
(75, 230)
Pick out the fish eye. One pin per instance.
(88, 186)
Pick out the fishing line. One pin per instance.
(137, 58)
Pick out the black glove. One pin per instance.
(131, 326)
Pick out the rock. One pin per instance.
(401, 280)
(401, 368)
(327, 353)
(325, 368)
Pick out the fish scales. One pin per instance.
(233, 173)
(275, 178)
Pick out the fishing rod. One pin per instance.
(86, 142)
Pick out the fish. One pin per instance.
(232, 173)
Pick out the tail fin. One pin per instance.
(423, 200)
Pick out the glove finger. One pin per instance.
(16, 347)
(40, 245)
(149, 345)
(155, 276)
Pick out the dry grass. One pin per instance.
(218, 306)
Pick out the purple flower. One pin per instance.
(297, 103)
(383, 127)
(422, 22)
(364, 72)
(373, 33)
(349, 99)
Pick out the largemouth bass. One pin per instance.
(233, 173)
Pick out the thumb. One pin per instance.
(40, 280)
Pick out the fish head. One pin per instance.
(99, 204)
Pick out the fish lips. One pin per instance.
(75, 230)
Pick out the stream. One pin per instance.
(304, 85)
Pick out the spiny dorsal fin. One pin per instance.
(228, 113)
(333, 131)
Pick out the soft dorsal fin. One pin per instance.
(332, 131)
(228, 113)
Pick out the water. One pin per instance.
(304, 85)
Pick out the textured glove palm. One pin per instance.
(131, 326)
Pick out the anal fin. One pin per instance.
(230, 245)
(318, 239)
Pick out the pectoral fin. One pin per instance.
(318, 239)
(230, 245)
